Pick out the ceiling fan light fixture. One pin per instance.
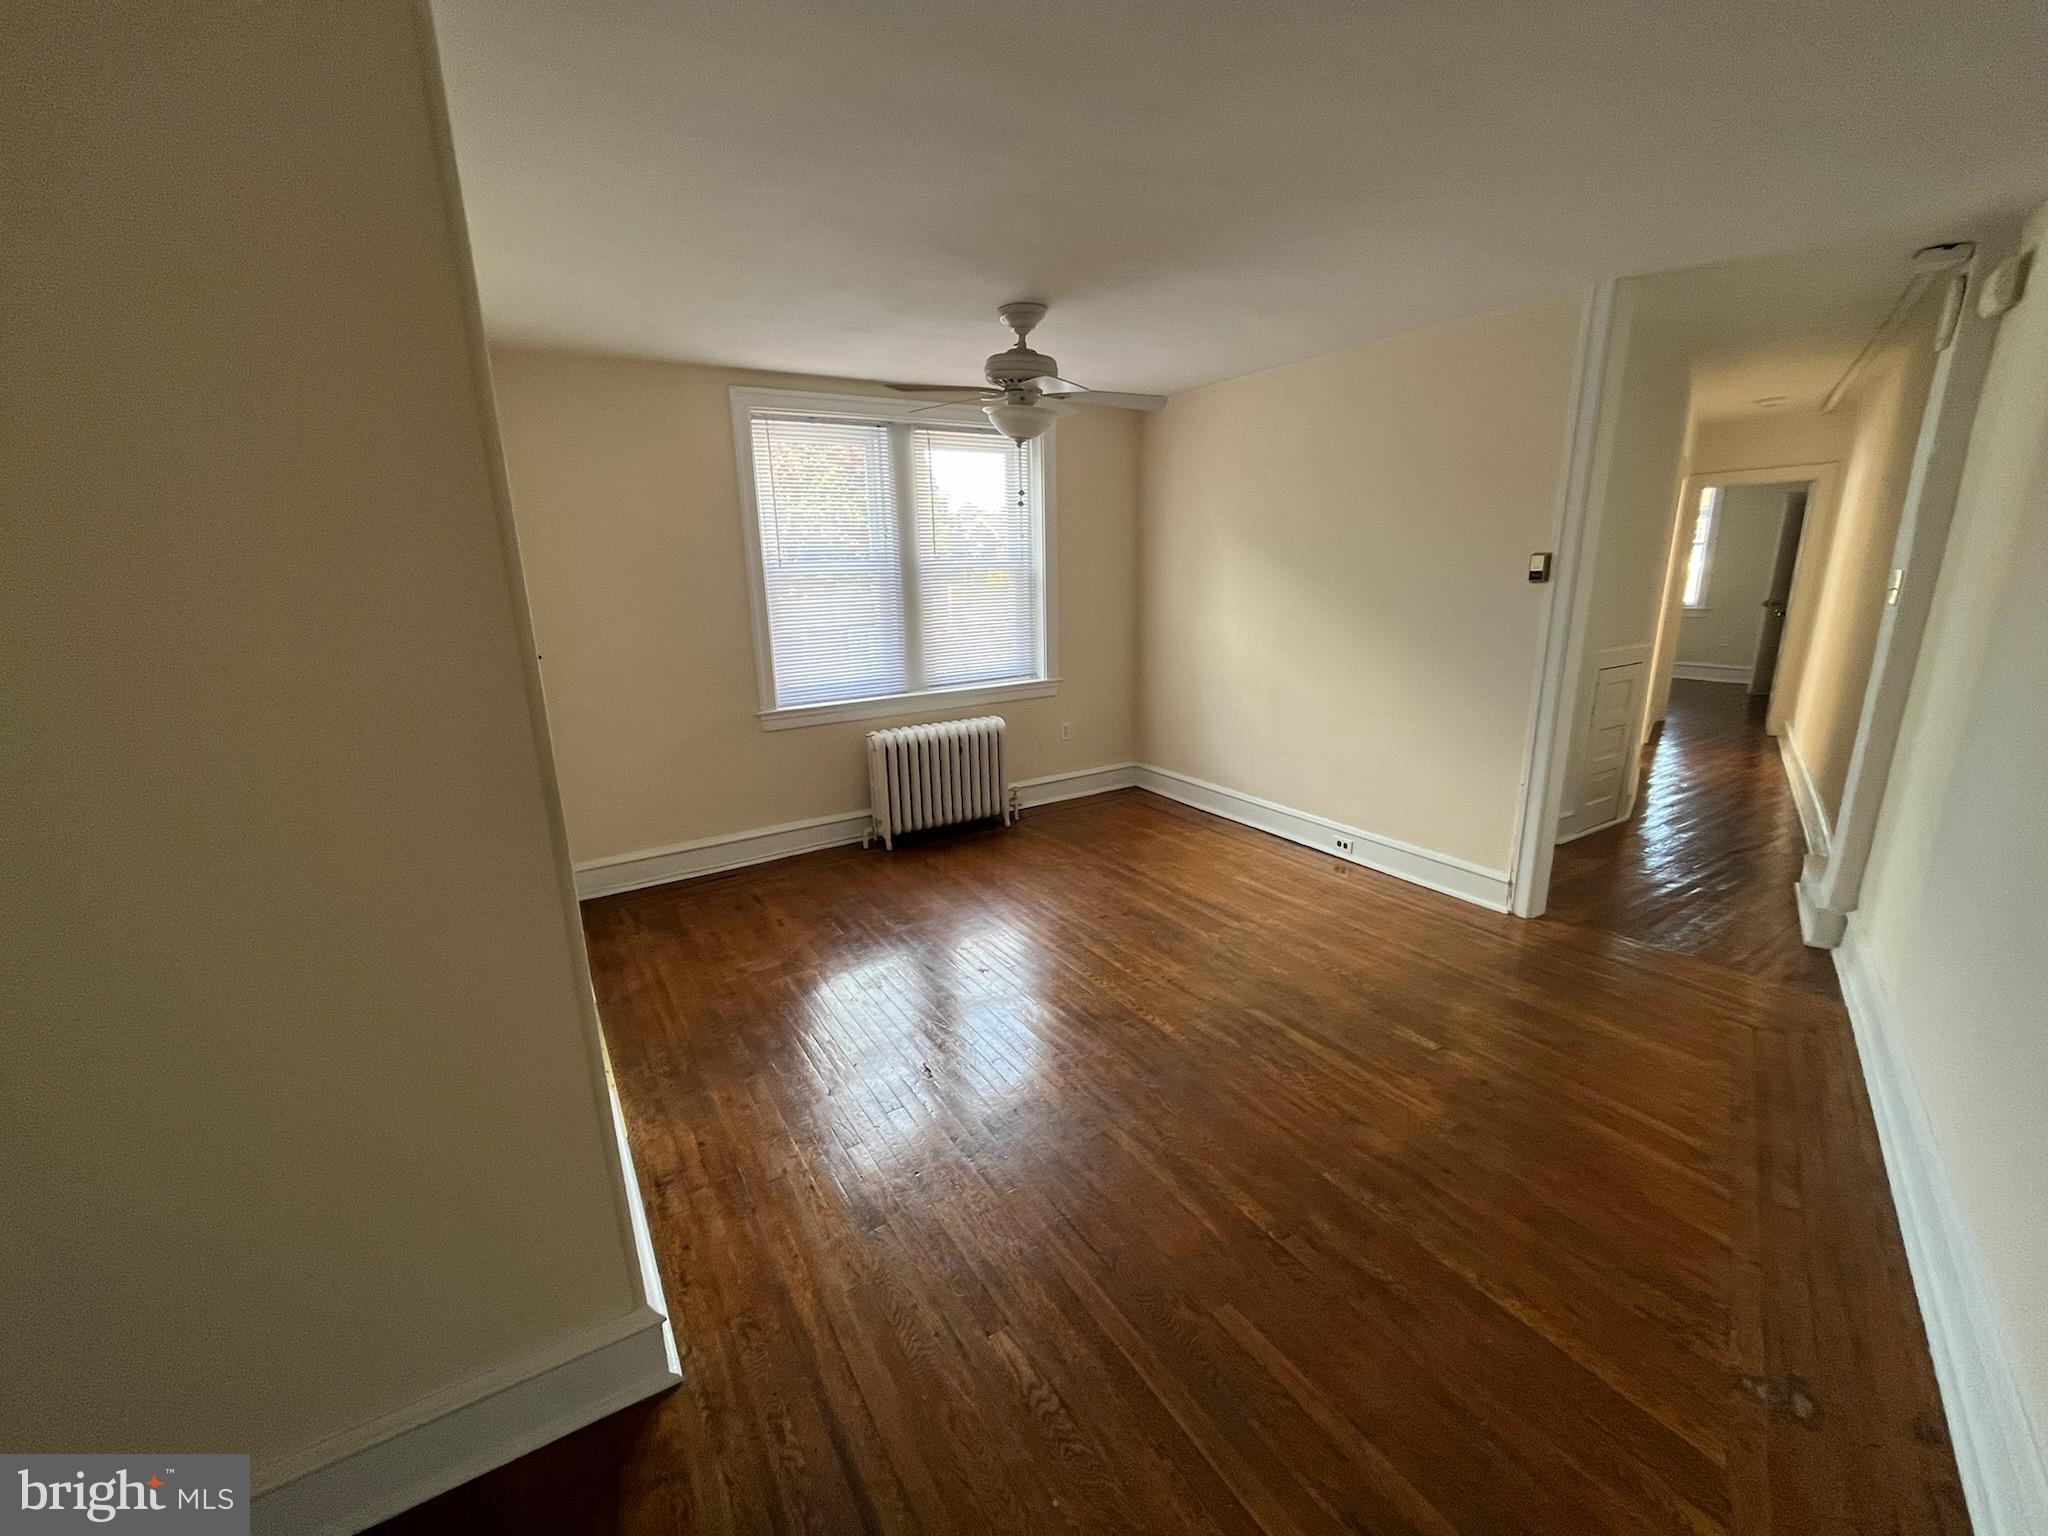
(1020, 423)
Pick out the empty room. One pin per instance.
(1099, 767)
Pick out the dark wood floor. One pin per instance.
(1707, 864)
(1132, 1171)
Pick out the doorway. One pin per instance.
(1880, 477)
(1738, 581)
(1714, 828)
(1777, 600)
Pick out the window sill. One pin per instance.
(899, 704)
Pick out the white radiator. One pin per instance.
(934, 775)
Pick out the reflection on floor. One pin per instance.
(1707, 864)
(1132, 1171)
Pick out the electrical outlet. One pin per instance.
(1343, 845)
(1066, 730)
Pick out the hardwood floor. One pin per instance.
(1131, 1171)
(1707, 865)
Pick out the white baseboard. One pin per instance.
(735, 850)
(1813, 816)
(1421, 866)
(1072, 786)
(714, 855)
(1712, 672)
(1819, 927)
(368, 1474)
(2004, 1474)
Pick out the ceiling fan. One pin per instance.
(1025, 392)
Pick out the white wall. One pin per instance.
(1954, 912)
(1335, 610)
(302, 1116)
(1725, 629)
(627, 496)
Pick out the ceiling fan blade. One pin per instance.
(940, 405)
(1053, 387)
(965, 391)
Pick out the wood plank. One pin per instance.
(1134, 1171)
(1707, 864)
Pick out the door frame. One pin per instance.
(1603, 337)
(1824, 482)
(1832, 884)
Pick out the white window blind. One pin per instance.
(831, 560)
(976, 582)
(896, 557)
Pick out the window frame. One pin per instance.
(897, 412)
(1710, 495)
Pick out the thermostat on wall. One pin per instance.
(1539, 565)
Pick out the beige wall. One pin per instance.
(1334, 605)
(1724, 631)
(1769, 439)
(1954, 907)
(626, 492)
(301, 1117)
(1634, 492)
(1855, 551)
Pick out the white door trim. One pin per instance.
(1564, 614)
(1824, 482)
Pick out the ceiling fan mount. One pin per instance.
(1021, 366)
(1020, 315)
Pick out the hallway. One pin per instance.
(1707, 864)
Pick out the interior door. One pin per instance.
(1611, 744)
(1772, 634)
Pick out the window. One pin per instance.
(899, 559)
(1701, 555)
